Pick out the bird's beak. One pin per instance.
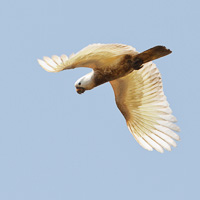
(80, 90)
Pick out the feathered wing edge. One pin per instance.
(54, 64)
(147, 112)
(90, 56)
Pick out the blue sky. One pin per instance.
(56, 144)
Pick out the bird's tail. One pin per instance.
(149, 55)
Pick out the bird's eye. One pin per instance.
(79, 83)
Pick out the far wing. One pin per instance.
(140, 98)
(57, 64)
(93, 56)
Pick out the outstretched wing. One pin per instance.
(55, 63)
(140, 98)
(93, 56)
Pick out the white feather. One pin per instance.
(45, 66)
(50, 62)
(64, 58)
(166, 138)
(57, 60)
(167, 131)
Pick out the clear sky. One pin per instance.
(58, 145)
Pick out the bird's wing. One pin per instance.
(93, 56)
(140, 98)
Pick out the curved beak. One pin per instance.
(80, 90)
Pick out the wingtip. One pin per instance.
(38, 60)
(178, 138)
(161, 150)
(45, 66)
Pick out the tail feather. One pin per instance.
(153, 53)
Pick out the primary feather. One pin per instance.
(140, 98)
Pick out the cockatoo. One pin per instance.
(137, 86)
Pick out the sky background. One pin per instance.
(58, 145)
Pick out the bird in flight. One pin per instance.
(137, 86)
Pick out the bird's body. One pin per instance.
(136, 83)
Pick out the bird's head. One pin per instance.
(84, 83)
